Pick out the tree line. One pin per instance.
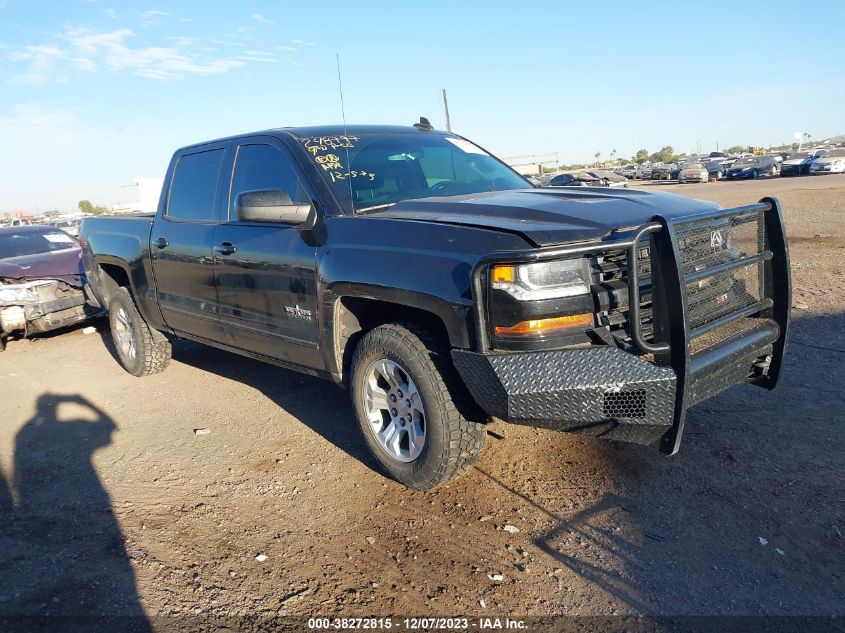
(88, 208)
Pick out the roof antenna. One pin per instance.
(346, 136)
(446, 109)
(424, 125)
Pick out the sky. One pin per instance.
(96, 93)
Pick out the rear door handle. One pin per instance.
(161, 242)
(226, 248)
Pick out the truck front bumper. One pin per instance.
(703, 340)
(598, 391)
(608, 392)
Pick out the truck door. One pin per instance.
(180, 245)
(266, 273)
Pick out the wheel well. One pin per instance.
(112, 277)
(354, 317)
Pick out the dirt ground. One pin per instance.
(121, 508)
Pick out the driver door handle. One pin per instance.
(226, 248)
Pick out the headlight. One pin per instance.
(17, 294)
(534, 306)
(543, 280)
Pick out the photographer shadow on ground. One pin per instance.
(61, 550)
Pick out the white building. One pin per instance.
(148, 192)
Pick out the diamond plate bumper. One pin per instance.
(596, 391)
(605, 391)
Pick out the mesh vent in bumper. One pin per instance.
(630, 403)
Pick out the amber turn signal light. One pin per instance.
(537, 326)
(503, 273)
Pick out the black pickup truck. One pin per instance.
(435, 283)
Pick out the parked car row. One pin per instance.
(714, 166)
(68, 226)
(718, 165)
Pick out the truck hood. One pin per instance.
(65, 265)
(545, 216)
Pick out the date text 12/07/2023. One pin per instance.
(419, 624)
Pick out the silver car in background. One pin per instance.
(644, 172)
(831, 163)
(694, 172)
(609, 178)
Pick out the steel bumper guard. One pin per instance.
(695, 353)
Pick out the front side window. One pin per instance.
(194, 186)
(263, 167)
(372, 170)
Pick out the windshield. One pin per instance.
(371, 170)
(34, 242)
(750, 160)
(835, 153)
(798, 155)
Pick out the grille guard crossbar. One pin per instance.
(667, 272)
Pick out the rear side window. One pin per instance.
(194, 186)
(262, 167)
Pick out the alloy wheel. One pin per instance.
(125, 334)
(394, 410)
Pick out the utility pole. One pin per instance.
(446, 109)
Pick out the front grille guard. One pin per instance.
(669, 283)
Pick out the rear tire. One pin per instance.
(397, 360)
(140, 349)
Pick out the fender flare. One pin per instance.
(152, 316)
(455, 317)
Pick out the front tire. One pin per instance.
(415, 413)
(754, 174)
(140, 349)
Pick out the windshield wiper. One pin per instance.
(376, 207)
